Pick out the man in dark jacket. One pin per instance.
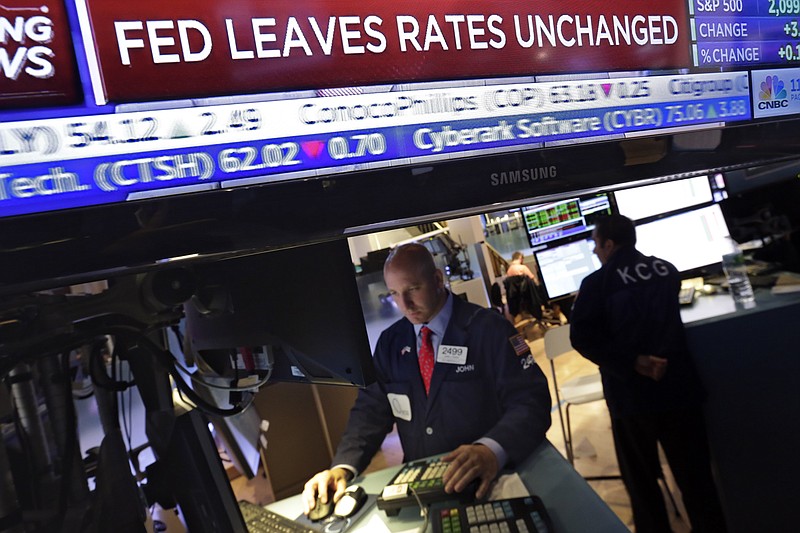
(483, 400)
(626, 319)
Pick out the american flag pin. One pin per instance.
(405, 350)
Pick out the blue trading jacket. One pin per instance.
(499, 393)
(630, 307)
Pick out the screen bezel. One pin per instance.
(583, 228)
(708, 268)
(302, 302)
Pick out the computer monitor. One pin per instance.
(240, 437)
(563, 267)
(565, 218)
(197, 479)
(647, 201)
(746, 179)
(300, 305)
(692, 241)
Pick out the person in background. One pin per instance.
(456, 378)
(524, 295)
(626, 319)
(517, 268)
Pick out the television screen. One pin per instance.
(563, 267)
(564, 218)
(651, 200)
(690, 240)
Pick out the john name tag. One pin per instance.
(453, 355)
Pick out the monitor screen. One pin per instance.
(300, 306)
(563, 268)
(638, 203)
(690, 240)
(564, 218)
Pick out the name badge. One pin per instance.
(453, 355)
(401, 406)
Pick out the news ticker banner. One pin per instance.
(77, 161)
(155, 50)
(112, 135)
(37, 62)
(745, 32)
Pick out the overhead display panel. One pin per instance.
(151, 49)
(173, 98)
(745, 33)
(95, 159)
(37, 62)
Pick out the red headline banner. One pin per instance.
(37, 64)
(156, 49)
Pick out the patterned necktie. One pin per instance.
(426, 358)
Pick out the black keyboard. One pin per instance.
(423, 478)
(514, 515)
(261, 520)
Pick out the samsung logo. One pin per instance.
(523, 175)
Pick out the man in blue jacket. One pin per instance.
(626, 319)
(456, 378)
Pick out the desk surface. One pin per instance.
(570, 501)
(707, 308)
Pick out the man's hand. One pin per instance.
(319, 484)
(468, 462)
(651, 366)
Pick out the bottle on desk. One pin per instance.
(736, 273)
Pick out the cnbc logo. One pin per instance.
(772, 94)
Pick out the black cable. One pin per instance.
(178, 336)
(67, 462)
(180, 395)
(165, 358)
(161, 355)
(228, 388)
(25, 445)
(130, 418)
(121, 413)
(9, 362)
(204, 405)
(234, 363)
(97, 368)
(127, 418)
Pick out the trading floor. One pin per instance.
(591, 431)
